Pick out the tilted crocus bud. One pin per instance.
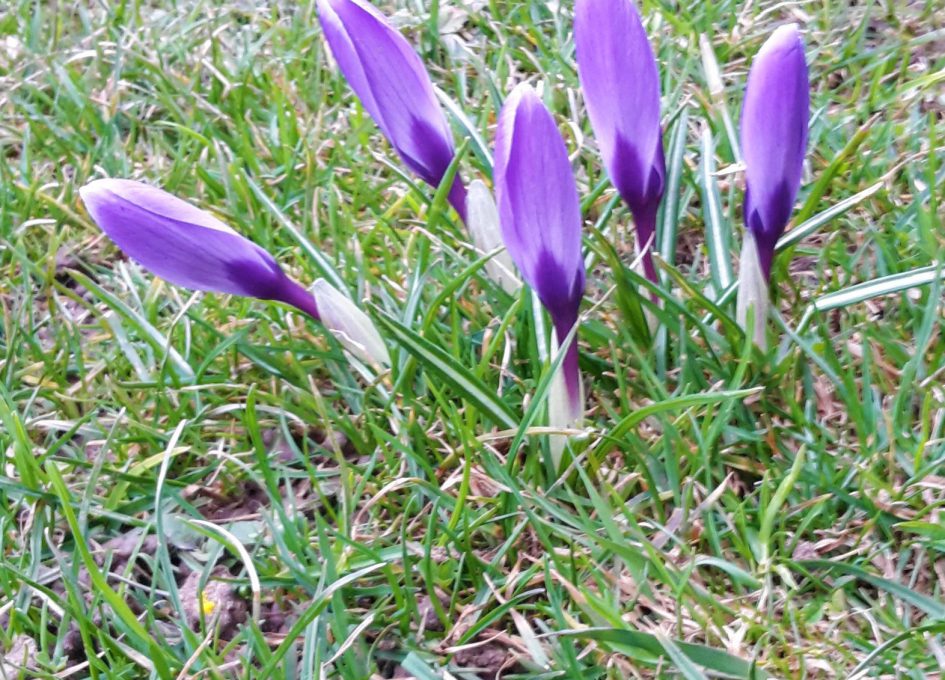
(621, 88)
(774, 140)
(483, 216)
(394, 87)
(188, 246)
(540, 218)
(352, 327)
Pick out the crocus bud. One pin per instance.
(188, 246)
(483, 220)
(774, 140)
(540, 217)
(352, 327)
(774, 137)
(394, 87)
(621, 88)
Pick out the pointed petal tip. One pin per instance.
(99, 188)
(784, 37)
(523, 93)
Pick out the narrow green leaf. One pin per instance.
(717, 228)
(459, 377)
(419, 668)
(141, 638)
(894, 283)
(826, 177)
(682, 662)
(711, 659)
(773, 510)
(931, 607)
(27, 467)
(319, 602)
(811, 225)
(470, 129)
(673, 198)
(161, 344)
(628, 422)
(928, 529)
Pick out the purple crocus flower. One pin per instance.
(394, 87)
(188, 246)
(540, 219)
(774, 137)
(774, 140)
(621, 87)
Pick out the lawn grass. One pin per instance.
(781, 509)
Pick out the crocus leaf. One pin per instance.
(160, 343)
(437, 360)
(884, 285)
(715, 660)
(930, 606)
(811, 225)
(140, 637)
(718, 229)
(617, 433)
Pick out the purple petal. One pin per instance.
(394, 87)
(774, 136)
(348, 60)
(187, 246)
(539, 213)
(621, 88)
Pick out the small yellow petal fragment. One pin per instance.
(207, 605)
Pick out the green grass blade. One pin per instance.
(711, 659)
(933, 608)
(811, 225)
(894, 283)
(445, 366)
(718, 230)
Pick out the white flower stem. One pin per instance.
(752, 293)
(565, 405)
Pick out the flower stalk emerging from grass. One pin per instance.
(774, 140)
(540, 219)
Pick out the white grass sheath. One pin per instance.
(752, 292)
(353, 328)
(563, 413)
(483, 221)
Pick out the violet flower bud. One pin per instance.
(774, 137)
(621, 88)
(389, 78)
(540, 218)
(188, 246)
(774, 141)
